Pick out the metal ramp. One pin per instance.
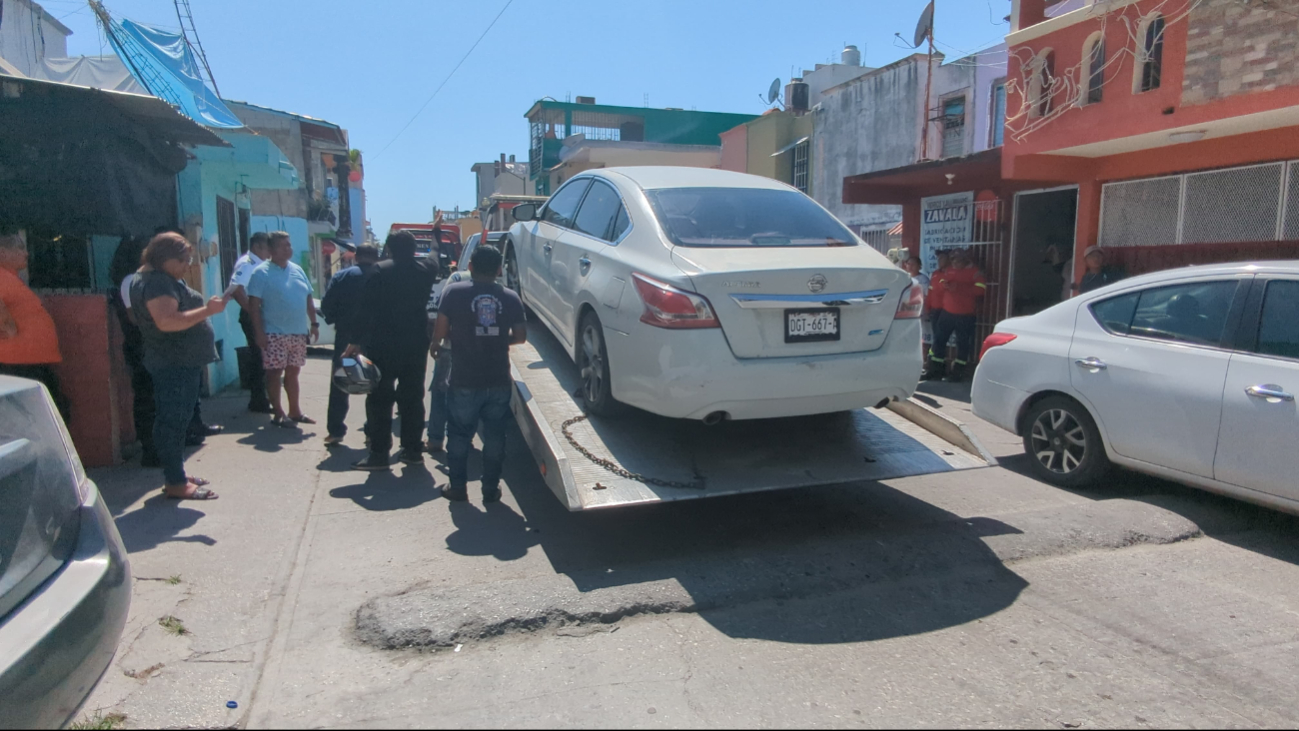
(904, 440)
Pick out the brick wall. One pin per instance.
(1240, 47)
(91, 375)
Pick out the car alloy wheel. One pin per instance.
(593, 373)
(511, 268)
(1059, 441)
(593, 364)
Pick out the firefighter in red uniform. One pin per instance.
(962, 287)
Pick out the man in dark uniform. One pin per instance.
(395, 334)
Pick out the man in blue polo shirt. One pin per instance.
(280, 303)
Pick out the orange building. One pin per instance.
(1171, 127)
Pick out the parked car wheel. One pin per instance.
(511, 273)
(593, 362)
(1063, 444)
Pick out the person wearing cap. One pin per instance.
(963, 287)
(1097, 275)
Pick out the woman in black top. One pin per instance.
(178, 344)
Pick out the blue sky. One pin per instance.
(368, 66)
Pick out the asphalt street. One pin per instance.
(312, 595)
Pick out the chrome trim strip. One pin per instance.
(825, 299)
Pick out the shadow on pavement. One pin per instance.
(495, 531)
(274, 438)
(160, 520)
(908, 566)
(404, 488)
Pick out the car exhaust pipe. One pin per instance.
(716, 418)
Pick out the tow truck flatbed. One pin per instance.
(905, 439)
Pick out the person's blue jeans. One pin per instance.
(467, 407)
(437, 408)
(175, 392)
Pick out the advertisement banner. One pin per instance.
(945, 222)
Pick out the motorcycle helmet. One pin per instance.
(356, 375)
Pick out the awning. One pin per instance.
(790, 146)
(156, 115)
(908, 184)
(251, 159)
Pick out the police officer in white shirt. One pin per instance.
(258, 251)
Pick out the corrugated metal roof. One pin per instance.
(295, 115)
(150, 111)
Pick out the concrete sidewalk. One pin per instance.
(219, 567)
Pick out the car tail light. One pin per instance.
(993, 341)
(667, 306)
(913, 301)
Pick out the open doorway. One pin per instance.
(1045, 222)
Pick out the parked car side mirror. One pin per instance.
(524, 212)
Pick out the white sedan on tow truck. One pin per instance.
(713, 295)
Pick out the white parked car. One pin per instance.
(1188, 374)
(707, 294)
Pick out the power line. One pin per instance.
(420, 111)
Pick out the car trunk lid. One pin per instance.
(753, 288)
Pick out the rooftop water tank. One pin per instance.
(850, 56)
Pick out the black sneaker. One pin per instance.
(411, 456)
(492, 495)
(455, 494)
(372, 463)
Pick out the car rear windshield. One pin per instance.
(733, 217)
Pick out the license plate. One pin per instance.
(805, 326)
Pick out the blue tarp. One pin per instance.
(163, 63)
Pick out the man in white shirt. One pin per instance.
(258, 251)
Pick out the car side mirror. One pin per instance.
(524, 212)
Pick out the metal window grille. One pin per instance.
(1290, 212)
(1140, 212)
(1238, 204)
(800, 166)
(1249, 203)
(877, 238)
(954, 127)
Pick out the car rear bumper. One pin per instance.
(55, 645)
(997, 403)
(692, 373)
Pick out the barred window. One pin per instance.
(800, 166)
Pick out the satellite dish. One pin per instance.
(926, 25)
(773, 91)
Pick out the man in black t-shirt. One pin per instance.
(482, 320)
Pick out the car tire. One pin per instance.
(1063, 444)
(593, 365)
(511, 266)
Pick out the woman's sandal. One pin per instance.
(303, 419)
(200, 493)
(283, 422)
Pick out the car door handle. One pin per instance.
(1269, 391)
(585, 263)
(1092, 363)
(547, 248)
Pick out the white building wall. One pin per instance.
(825, 76)
(29, 34)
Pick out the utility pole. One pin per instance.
(929, 80)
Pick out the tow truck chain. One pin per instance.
(611, 466)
